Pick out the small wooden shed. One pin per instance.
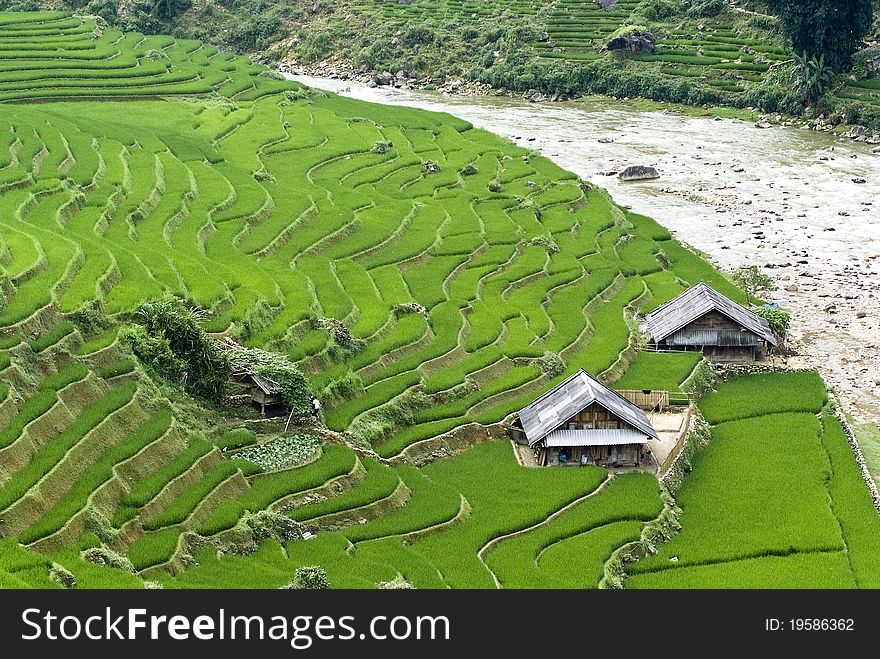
(265, 393)
(703, 320)
(581, 421)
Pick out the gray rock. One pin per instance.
(634, 41)
(638, 173)
(857, 131)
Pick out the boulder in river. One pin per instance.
(638, 173)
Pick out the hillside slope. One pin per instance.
(429, 278)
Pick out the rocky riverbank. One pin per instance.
(346, 71)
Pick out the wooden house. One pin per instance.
(265, 393)
(581, 421)
(704, 320)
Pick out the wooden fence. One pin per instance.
(647, 399)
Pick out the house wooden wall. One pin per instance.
(594, 417)
(715, 320)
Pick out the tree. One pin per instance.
(169, 8)
(752, 281)
(168, 337)
(811, 76)
(833, 28)
(779, 319)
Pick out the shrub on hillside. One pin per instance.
(62, 576)
(169, 339)
(266, 525)
(90, 318)
(108, 558)
(309, 577)
(659, 10)
(706, 8)
(398, 583)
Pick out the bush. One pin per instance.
(779, 319)
(309, 577)
(265, 524)
(62, 576)
(659, 10)
(170, 340)
(90, 319)
(108, 558)
(706, 8)
(398, 583)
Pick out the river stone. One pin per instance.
(638, 173)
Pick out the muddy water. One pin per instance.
(785, 199)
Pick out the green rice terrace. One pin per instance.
(428, 278)
(694, 52)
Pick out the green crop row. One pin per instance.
(54, 451)
(52, 337)
(146, 489)
(773, 393)
(379, 483)
(154, 547)
(516, 561)
(98, 473)
(430, 503)
(265, 489)
(183, 505)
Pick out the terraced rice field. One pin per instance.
(775, 500)
(275, 213)
(454, 530)
(464, 269)
(579, 30)
(719, 53)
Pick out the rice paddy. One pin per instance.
(775, 500)
(424, 305)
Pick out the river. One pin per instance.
(805, 206)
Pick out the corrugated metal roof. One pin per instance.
(571, 396)
(695, 302)
(711, 337)
(563, 437)
(268, 386)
